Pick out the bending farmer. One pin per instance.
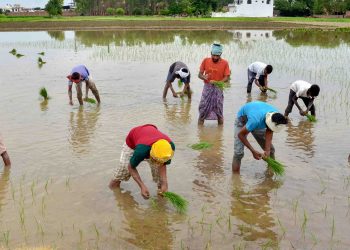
(4, 154)
(178, 70)
(262, 120)
(145, 143)
(257, 73)
(306, 92)
(79, 74)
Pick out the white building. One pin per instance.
(248, 8)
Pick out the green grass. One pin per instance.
(177, 201)
(90, 100)
(311, 118)
(201, 145)
(43, 93)
(276, 167)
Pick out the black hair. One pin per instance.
(268, 69)
(184, 70)
(75, 76)
(314, 90)
(278, 118)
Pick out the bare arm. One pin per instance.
(6, 159)
(163, 179)
(70, 94)
(265, 81)
(310, 105)
(135, 175)
(295, 100)
(202, 76)
(242, 135)
(86, 89)
(268, 142)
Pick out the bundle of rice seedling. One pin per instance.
(180, 83)
(276, 167)
(90, 100)
(221, 85)
(270, 89)
(177, 201)
(201, 145)
(19, 55)
(41, 53)
(43, 93)
(13, 51)
(40, 61)
(311, 118)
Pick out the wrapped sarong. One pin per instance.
(211, 105)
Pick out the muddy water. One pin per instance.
(56, 192)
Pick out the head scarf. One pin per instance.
(182, 74)
(161, 151)
(216, 49)
(272, 125)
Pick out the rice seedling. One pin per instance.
(90, 100)
(43, 93)
(270, 89)
(314, 239)
(40, 60)
(43, 206)
(180, 84)
(97, 232)
(13, 51)
(282, 227)
(6, 237)
(201, 145)
(110, 227)
(177, 201)
(21, 216)
(303, 225)
(311, 118)
(46, 186)
(80, 236)
(229, 223)
(333, 228)
(68, 183)
(19, 55)
(275, 166)
(41, 53)
(154, 203)
(221, 85)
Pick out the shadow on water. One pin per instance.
(210, 161)
(178, 113)
(148, 228)
(302, 137)
(82, 126)
(251, 207)
(57, 35)
(43, 105)
(4, 183)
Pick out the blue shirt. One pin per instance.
(82, 70)
(255, 113)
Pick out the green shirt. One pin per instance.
(142, 152)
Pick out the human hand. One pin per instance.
(175, 95)
(256, 155)
(212, 81)
(145, 192)
(266, 154)
(303, 113)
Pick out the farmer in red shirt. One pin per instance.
(213, 69)
(144, 142)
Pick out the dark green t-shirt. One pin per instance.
(142, 152)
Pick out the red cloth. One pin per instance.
(146, 134)
(215, 71)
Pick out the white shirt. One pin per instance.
(300, 87)
(258, 68)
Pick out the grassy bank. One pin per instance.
(160, 22)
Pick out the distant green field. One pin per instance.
(158, 18)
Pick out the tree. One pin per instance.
(54, 7)
(119, 11)
(110, 11)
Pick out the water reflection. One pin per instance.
(57, 35)
(210, 161)
(149, 228)
(251, 206)
(43, 105)
(301, 137)
(327, 39)
(4, 183)
(138, 37)
(82, 127)
(178, 113)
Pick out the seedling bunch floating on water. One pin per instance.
(40, 60)
(44, 94)
(13, 51)
(201, 145)
(311, 118)
(90, 100)
(177, 201)
(41, 53)
(276, 167)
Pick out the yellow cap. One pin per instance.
(161, 151)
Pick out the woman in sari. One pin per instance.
(213, 69)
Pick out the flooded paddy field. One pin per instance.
(56, 192)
